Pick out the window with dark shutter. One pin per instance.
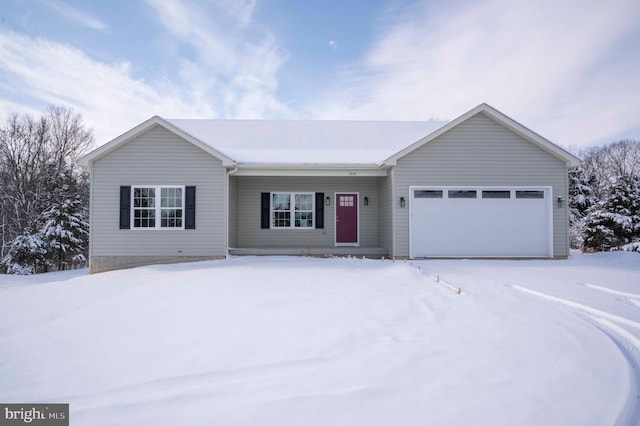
(125, 207)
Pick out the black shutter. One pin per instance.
(190, 207)
(265, 201)
(319, 210)
(125, 207)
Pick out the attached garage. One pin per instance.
(480, 222)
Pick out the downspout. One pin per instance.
(226, 222)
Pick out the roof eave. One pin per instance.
(253, 165)
(310, 169)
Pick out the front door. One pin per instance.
(347, 219)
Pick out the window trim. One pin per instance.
(158, 208)
(292, 210)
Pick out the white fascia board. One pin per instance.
(569, 159)
(114, 144)
(344, 170)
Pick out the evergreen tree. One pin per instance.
(581, 199)
(38, 171)
(614, 222)
(65, 230)
(27, 254)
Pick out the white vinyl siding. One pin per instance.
(480, 152)
(385, 212)
(233, 211)
(160, 158)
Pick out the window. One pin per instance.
(427, 193)
(496, 194)
(531, 195)
(347, 201)
(304, 210)
(462, 194)
(292, 210)
(151, 213)
(171, 207)
(144, 208)
(281, 210)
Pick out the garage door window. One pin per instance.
(496, 194)
(427, 193)
(531, 195)
(462, 194)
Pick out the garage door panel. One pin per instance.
(480, 227)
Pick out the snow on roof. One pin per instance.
(307, 141)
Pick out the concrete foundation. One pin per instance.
(112, 263)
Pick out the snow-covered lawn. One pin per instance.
(304, 341)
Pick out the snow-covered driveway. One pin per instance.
(254, 341)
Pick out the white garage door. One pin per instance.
(480, 222)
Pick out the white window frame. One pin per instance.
(157, 207)
(292, 210)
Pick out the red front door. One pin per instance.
(347, 219)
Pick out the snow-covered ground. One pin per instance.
(291, 341)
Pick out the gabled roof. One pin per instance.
(291, 143)
(143, 127)
(509, 123)
(321, 142)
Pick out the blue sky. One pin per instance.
(570, 70)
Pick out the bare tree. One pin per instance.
(38, 162)
(606, 164)
(68, 138)
(22, 167)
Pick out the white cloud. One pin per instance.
(541, 63)
(333, 45)
(110, 100)
(236, 61)
(232, 73)
(241, 10)
(77, 16)
(551, 68)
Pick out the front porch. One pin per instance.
(254, 229)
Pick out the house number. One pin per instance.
(353, 173)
